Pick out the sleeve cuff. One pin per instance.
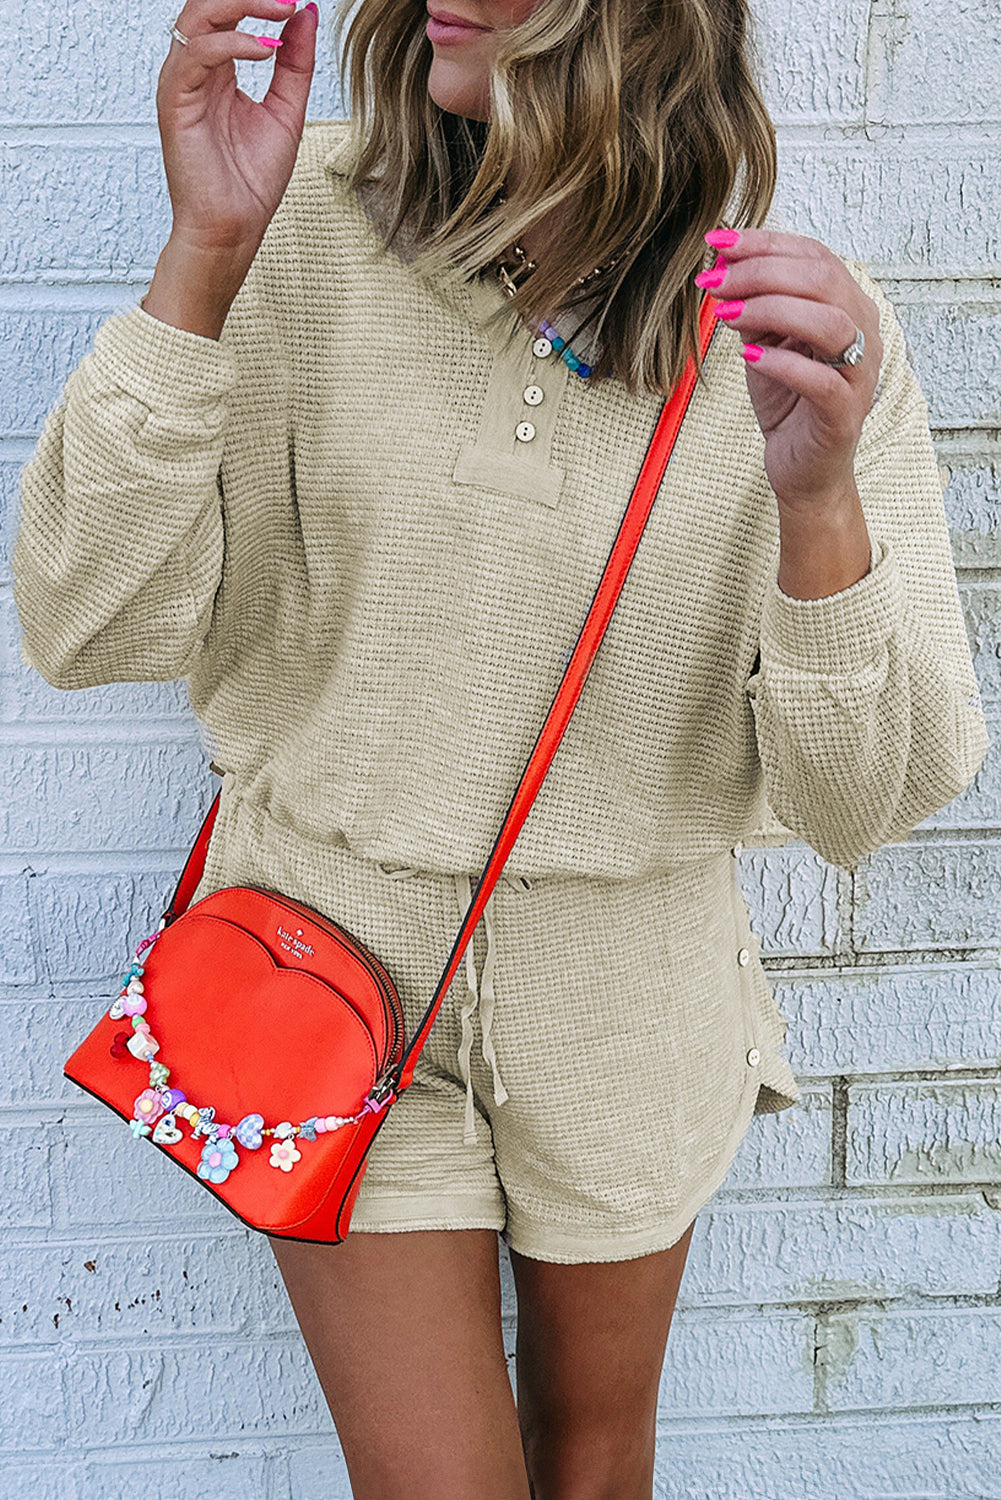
(168, 369)
(841, 633)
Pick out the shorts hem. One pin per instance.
(569, 1247)
(392, 1213)
(572, 1248)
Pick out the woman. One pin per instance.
(330, 471)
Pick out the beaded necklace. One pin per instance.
(521, 267)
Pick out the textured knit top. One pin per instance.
(328, 523)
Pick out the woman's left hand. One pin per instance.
(799, 301)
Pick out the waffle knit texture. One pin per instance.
(326, 522)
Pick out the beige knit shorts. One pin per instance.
(596, 1061)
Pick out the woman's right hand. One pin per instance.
(228, 159)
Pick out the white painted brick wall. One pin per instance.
(839, 1327)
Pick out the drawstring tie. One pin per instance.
(481, 997)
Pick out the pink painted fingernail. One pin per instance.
(722, 239)
(729, 309)
(269, 41)
(715, 276)
(314, 8)
(752, 352)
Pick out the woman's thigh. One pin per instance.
(590, 1349)
(404, 1332)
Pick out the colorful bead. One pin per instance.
(142, 1045)
(285, 1129)
(284, 1155)
(148, 1105)
(139, 1128)
(308, 1129)
(176, 1098)
(334, 1122)
(218, 1160)
(165, 1132)
(248, 1131)
(158, 1073)
(117, 1010)
(570, 359)
(121, 1043)
(133, 1004)
(205, 1122)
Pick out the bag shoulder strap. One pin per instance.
(593, 629)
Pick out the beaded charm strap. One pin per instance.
(158, 1108)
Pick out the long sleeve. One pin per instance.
(120, 547)
(866, 706)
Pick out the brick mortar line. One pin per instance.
(138, 134)
(277, 1447)
(985, 956)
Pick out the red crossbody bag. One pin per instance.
(279, 1120)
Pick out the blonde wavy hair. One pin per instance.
(643, 117)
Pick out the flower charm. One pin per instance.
(148, 1106)
(218, 1160)
(284, 1154)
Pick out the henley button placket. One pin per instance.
(511, 452)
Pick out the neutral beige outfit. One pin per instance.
(336, 524)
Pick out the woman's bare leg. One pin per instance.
(404, 1332)
(591, 1342)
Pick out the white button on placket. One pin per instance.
(533, 394)
(744, 957)
(524, 432)
(542, 348)
(754, 1057)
